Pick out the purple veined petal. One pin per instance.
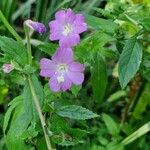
(55, 25)
(66, 84)
(76, 66)
(47, 67)
(76, 77)
(79, 18)
(70, 16)
(55, 36)
(55, 29)
(63, 55)
(69, 41)
(79, 28)
(53, 84)
(60, 15)
(79, 24)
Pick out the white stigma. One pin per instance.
(62, 68)
(67, 29)
(60, 79)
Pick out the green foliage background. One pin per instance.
(110, 111)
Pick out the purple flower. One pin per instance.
(67, 27)
(62, 70)
(7, 68)
(38, 27)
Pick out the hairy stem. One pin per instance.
(28, 44)
(36, 101)
(35, 98)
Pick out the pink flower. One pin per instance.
(7, 68)
(37, 26)
(67, 27)
(62, 70)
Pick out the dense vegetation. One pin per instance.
(110, 110)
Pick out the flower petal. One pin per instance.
(70, 16)
(63, 55)
(47, 67)
(79, 24)
(69, 41)
(76, 77)
(54, 85)
(55, 29)
(55, 36)
(76, 66)
(66, 84)
(60, 15)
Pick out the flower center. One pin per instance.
(62, 69)
(67, 29)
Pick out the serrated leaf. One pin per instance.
(14, 50)
(100, 23)
(93, 43)
(129, 61)
(98, 78)
(75, 112)
(18, 125)
(14, 103)
(111, 124)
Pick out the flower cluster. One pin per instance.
(62, 70)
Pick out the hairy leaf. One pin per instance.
(18, 125)
(129, 61)
(14, 50)
(75, 112)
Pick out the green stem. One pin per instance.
(7, 25)
(26, 29)
(35, 98)
(36, 101)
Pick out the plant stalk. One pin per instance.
(35, 98)
(36, 101)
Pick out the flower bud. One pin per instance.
(7, 68)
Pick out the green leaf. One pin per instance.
(143, 102)
(75, 112)
(23, 10)
(19, 123)
(13, 104)
(146, 23)
(138, 133)
(93, 43)
(14, 50)
(48, 48)
(117, 95)
(129, 61)
(100, 23)
(112, 126)
(98, 77)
